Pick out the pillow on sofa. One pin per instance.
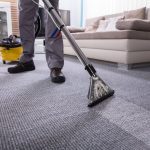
(75, 29)
(138, 13)
(112, 23)
(133, 24)
(102, 26)
(92, 27)
(108, 24)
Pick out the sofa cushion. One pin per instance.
(113, 44)
(138, 13)
(94, 25)
(133, 24)
(122, 34)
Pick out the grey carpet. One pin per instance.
(36, 114)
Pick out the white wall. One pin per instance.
(75, 8)
(94, 8)
(102, 7)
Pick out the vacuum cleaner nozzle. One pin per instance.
(98, 91)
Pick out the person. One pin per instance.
(53, 45)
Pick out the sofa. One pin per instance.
(127, 46)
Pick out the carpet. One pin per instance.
(36, 114)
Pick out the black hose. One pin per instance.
(37, 26)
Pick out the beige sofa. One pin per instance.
(126, 47)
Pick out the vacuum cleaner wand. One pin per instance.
(98, 90)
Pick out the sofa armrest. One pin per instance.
(75, 29)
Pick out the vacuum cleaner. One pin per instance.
(98, 90)
(11, 48)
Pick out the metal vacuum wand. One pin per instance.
(98, 90)
(59, 23)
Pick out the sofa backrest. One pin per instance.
(90, 20)
(113, 15)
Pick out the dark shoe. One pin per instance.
(22, 67)
(57, 76)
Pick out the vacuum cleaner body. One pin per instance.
(11, 49)
(98, 90)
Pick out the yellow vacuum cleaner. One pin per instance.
(11, 48)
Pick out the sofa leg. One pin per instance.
(125, 66)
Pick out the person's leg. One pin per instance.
(53, 42)
(54, 47)
(27, 16)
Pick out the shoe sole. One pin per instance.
(58, 80)
(11, 72)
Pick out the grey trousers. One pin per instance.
(53, 43)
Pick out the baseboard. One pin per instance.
(133, 66)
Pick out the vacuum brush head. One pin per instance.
(98, 91)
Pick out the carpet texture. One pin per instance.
(36, 114)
